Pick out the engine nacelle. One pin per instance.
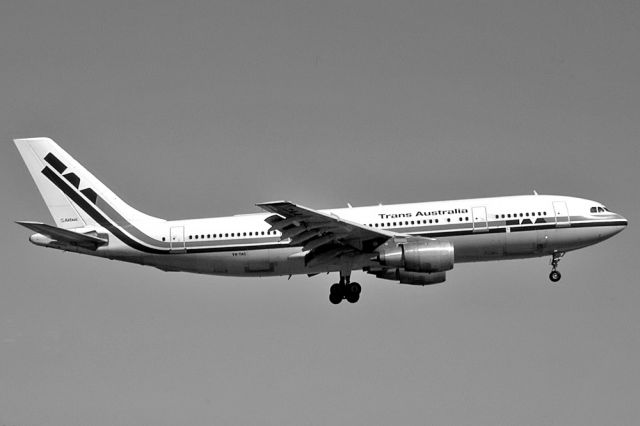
(413, 278)
(421, 255)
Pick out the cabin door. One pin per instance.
(479, 215)
(562, 213)
(176, 239)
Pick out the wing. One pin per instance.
(64, 235)
(325, 236)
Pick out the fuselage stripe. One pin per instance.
(106, 223)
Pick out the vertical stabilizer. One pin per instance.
(69, 190)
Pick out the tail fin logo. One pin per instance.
(71, 177)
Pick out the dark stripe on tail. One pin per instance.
(55, 163)
(95, 215)
(90, 194)
(73, 178)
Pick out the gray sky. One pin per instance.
(192, 109)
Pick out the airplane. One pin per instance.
(413, 244)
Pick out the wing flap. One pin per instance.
(325, 236)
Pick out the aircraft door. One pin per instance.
(176, 239)
(562, 213)
(479, 219)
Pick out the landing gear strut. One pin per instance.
(344, 290)
(555, 275)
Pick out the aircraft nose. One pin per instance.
(619, 225)
(623, 221)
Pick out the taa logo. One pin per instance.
(71, 177)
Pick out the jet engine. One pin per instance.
(413, 278)
(417, 255)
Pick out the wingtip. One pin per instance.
(26, 223)
(275, 201)
(269, 203)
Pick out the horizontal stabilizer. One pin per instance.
(64, 235)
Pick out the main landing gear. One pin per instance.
(555, 275)
(344, 290)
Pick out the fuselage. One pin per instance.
(479, 229)
(414, 244)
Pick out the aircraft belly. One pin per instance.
(566, 239)
(521, 243)
(239, 263)
(477, 247)
(268, 262)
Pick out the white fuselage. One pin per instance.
(479, 229)
(414, 244)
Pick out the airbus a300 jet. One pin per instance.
(414, 243)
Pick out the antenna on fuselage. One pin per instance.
(535, 192)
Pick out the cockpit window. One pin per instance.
(594, 210)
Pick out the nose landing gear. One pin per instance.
(555, 275)
(344, 290)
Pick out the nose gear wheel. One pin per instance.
(555, 275)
